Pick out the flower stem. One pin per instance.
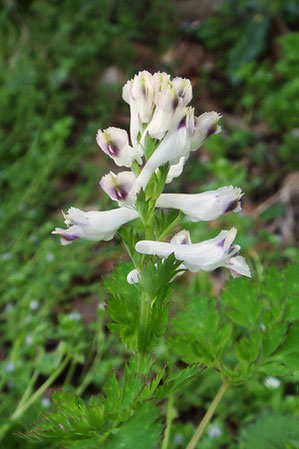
(143, 325)
(169, 418)
(207, 418)
(23, 407)
(169, 228)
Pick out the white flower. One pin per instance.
(9, 367)
(181, 238)
(183, 90)
(204, 206)
(34, 305)
(205, 125)
(176, 170)
(94, 225)
(206, 256)
(185, 136)
(214, 431)
(115, 143)
(272, 382)
(74, 316)
(171, 149)
(46, 403)
(29, 340)
(121, 187)
(139, 93)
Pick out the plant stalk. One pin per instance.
(208, 416)
(169, 418)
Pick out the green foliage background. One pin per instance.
(55, 92)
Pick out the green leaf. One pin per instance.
(123, 305)
(251, 44)
(248, 348)
(275, 369)
(272, 337)
(142, 431)
(198, 335)
(176, 381)
(270, 432)
(288, 353)
(49, 361)
(243, 305)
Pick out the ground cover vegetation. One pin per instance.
(63, 65)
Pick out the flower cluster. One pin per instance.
(163, 132)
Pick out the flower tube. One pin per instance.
(93, 225)
(204, 206)
(203, 256)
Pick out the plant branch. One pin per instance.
(208, 416)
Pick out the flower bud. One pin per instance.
(115, 143)
(183, 90)
(120, 187)
(205, 125)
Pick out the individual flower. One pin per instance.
(115, 143)
(181, 238)
(139, 93)
(170, 103)
(205, 125)
(206, 256)
(121, 187)
(214, 431)
(94, 225)
(181, 139)
(272, 382)
(204, 206)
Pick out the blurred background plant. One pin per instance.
(62, 68)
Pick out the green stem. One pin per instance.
(208, 416)
(169, 418)
(143, 326)
(24, 406)
(69, 375)
(170, 227)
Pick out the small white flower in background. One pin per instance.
(94, 225)
(75, 316)
(8, 307)
(34, 305)
(214, 431)
(9, 367)
(46, 403)
(178, 438)
(121, 187)
(50, 257)
(29, 340)
(181, 238)
(5, 256)
(206, 256)
(115, 143)
(204, 206)
(272, 382)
